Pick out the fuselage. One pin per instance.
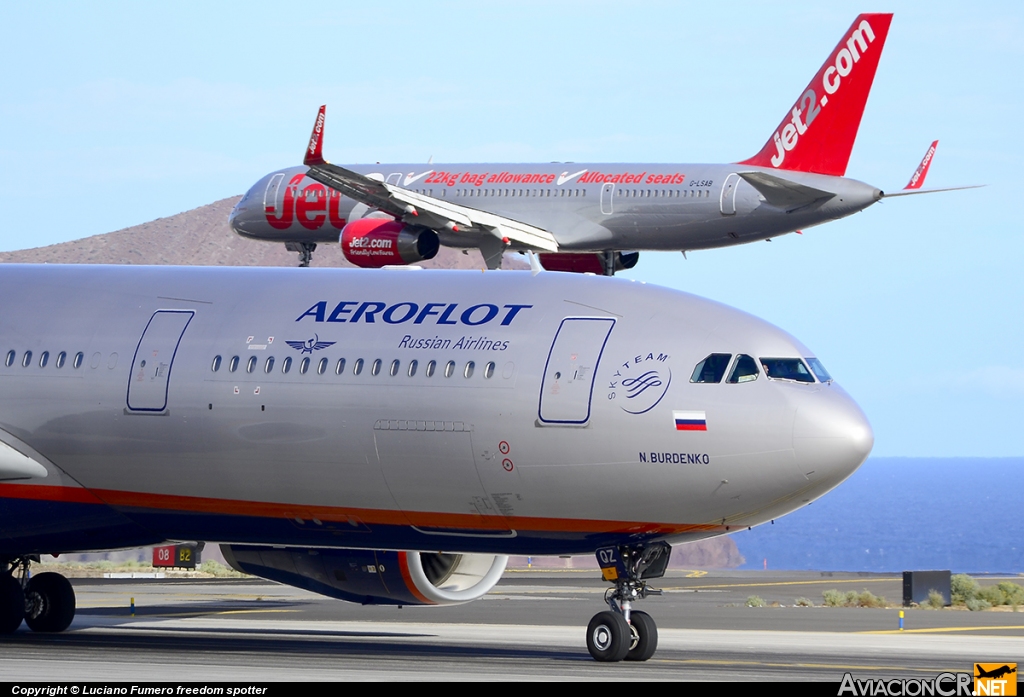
(586, 207)
(496, 412)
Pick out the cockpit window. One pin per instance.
(712, 368)
(786, 369)
(819, 370)
(744, 370)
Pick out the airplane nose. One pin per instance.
(831, 437)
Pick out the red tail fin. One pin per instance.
(314, 152)
(921, 172)
(817, 134)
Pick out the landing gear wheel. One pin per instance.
(12, 604)
(644, 634)
(608, 637)
(49, 603)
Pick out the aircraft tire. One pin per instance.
(608, 637)
(645, 632)
(49, 603)
(12, 604)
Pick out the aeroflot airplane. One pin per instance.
(581, 216)
(389, 436)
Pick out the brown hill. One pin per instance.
(202, 237)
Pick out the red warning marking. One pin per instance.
(503, 447)
(507, 464)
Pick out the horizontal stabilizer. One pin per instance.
(783, 193)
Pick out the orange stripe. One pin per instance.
(403, 565)
(266, 509)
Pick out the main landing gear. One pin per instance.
(305, 250)
(46, 601)
(623, 633)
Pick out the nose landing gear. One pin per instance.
(46, 601)
(622, 633)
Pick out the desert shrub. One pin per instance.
(1013, 592)
(935, 600)
(215, 568)
(869, 599)
(754, 601)
(963, 588)
(834, 598)
(977, 604)
(993, 595)
(803, 602)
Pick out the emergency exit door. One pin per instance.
(568, 383)
(154, 357)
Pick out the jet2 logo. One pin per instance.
(310, 345)
(640, 383)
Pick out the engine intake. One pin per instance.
(373, 577)
(375, 242)
(586, 262)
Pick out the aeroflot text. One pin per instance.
(353, 311)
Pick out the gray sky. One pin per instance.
(115, 114)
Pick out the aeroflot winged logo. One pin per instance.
(310, 345)
(443, 313)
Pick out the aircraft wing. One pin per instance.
(427, 210)
(784, 193)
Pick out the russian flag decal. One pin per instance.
(690, 420)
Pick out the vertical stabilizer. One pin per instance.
(817, 134)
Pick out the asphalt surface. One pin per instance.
(531, 626)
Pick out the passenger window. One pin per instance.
(394, 367)
(250, 365)
(286, 365)
(321, 367)
(304, 365)
(61, 358)
(468, 372)
(26, 359)
(819, 370)
(745, 369)
(357, 367)
(79, 357)
(11, 355)
(712, 368)
(214, 367)
(489, 370)
(786, 369)
(430, 368)
(233, 364)
(269, 366)
(44, 357)
(449, 369)
(412, 367)
(340, 367)
(375, 368)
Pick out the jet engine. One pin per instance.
(373, 577)
(587, 262)
(375, 242)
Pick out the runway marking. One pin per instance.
(824, 666)
(783, 583)
(193, 613)
(938, 630)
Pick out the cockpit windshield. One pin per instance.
(712, 368)
(745, 369)
(786, 369)
(819, 370)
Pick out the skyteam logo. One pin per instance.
(310, 345)
(640, 383)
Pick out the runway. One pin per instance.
(530, 627)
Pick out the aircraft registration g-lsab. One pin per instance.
(390, 436)
(583, 217)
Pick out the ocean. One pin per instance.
(901, 514)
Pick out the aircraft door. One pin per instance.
(272, 196)
(568, 382)
(607, 196)
(154, 357)
(728, 201)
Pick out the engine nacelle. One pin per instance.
(375, 242)
(372, 577)
(586, 262)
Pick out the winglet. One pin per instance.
(314, 152)
(917, 181)
(817, 133)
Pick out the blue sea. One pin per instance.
(900, 514)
